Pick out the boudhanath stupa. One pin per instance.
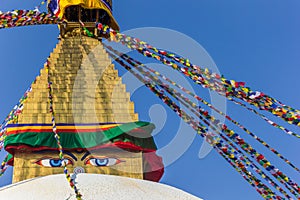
(108, 151)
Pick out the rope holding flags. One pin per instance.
(3, 166)
(233, 88)
(287, 131)
(18, 18)
(228, 88)
(204, 114)
(57, 137)
(217, 143)
(136, 64)
(13, 116)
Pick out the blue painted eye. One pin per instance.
(102, 162)
(53, 162)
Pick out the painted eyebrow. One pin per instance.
(85, 155)
(70, 154)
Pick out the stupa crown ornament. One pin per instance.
(87, 12)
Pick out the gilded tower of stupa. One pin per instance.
(99, 130)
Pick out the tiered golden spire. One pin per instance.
(86, 87)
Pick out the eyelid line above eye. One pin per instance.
(43, 158)
(69, 158)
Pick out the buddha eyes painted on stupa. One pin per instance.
(77, 159)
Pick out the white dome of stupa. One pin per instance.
(92, 187)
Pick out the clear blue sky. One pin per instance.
(253, 41)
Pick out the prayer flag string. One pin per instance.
(207, 84)
(136, 63)
(3, 166)
(57, 137)
(263, 161)
(234, 160)
(272, 123)
(232, 88)
(12, 117)
(203, 114)
(18, 18)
